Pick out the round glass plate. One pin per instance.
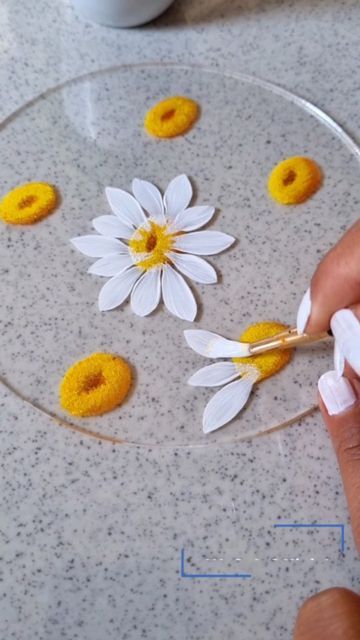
(88, 134)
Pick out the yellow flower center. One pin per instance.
(95, 385)
(150, 244)
(294, 180)
(171, 117)
(28, 203)
(270, 362)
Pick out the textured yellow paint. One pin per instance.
(294, 180)
(151, 245)
(95, 385)
(28, 203)
(171, 117)
(270, 362)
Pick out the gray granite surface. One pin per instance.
(91, 533)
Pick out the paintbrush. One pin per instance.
(285, 340)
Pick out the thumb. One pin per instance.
(340, 409)
(333, 614)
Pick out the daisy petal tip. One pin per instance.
(101, 306)
(136, 182)
(191, 382)
(209, 426)
(192, 316)
(229, 239)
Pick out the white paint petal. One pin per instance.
(193, 267)
(98, 246)
(204, 243)
(116, 290)
(112, 227)
(178, 297)
(177, 195)
(111, 264)
(149, 197)
(192, 218)
(214, 375)
(211, 345)
(227, 403)
(145, 295)
(125, 207)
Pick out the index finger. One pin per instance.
(336, 282)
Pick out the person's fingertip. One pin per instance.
(346, 329)
(336, 393)
(304, 311)
(339, 360)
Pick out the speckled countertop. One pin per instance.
(91, 533)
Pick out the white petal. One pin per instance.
(149, 197)
(177, 195)
(112, 227)
(145, 295)
(116, 290)
(227, 403)
(211, 345)
(192, 218)
(177, 295)
(214, 375)
(204, 243)
(125, 207)
(111, 264)
(98, 246)
(193, 267)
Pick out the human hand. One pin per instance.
(333, 300)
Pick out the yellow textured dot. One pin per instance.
(150, 245)
(294, 180)
(28, 203)
(270, 362)
(95, 385)
(171, 117)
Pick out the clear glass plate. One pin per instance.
(87, 134)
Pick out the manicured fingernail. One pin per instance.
(303, 313)
(346, 329)
(337, 393)
(339, 360)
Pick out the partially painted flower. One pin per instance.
(239, 374)
(158, 240)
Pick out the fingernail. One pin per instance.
(336, 393)
(339, 360)
(346, 329)
(303, 313)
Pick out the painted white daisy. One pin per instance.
(158, 240)
(238, 374)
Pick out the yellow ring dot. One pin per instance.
(294, 180)
(171, 117)
(95, 385)
(28, 203)
(270, 362)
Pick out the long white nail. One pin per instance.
(339, 360)
(337, 393)
(346, 329)
(303, 313)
